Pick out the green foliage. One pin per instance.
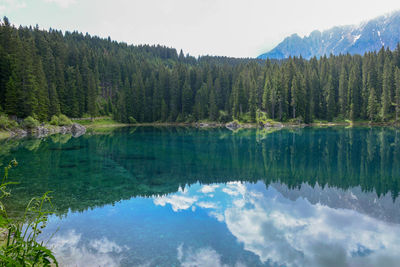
(246, 117)
(54, 120)
(180, 118)
(6, 123)
(30, 123)
(132, 120)
(223, 116)
(21, 246)
(190, 119)
(64, 120)
(99, 121)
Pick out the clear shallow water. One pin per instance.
(188, 197)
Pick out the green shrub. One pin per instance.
(190, 119)
(296, 120)
(6, 123)
(54, 120)
(180, 118)
(64, 120)
(21, 247)
(245, 118)
(30, 123)
(224, 116)
(132, 120)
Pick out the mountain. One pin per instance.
(354, 39)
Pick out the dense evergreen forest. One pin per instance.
(44, 73)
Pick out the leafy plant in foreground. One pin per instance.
(20, 246)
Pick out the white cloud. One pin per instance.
(207, 205)
(105, 246)
(62, 3)
(178, 202)
(70, 251)
(20, 5)
(202, 257)
(297, 233)
(208, 188)
(220, 217)
(11, 5)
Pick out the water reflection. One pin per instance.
(190, 197)
(95, 170)
(258, 225)
(98, 252)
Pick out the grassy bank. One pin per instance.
(100, 122)
(4, 135)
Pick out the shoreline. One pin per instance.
(11, 134)
(253, 125)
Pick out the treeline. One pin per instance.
(45, 73)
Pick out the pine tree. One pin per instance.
(397, 83)
(354, 89)
(343, 91)
(213, 105)
(54, 105)
(252, 101)
(266, 97)
(387, 86)
(12, 103)
(331, 101)
(373, 105)
(201, 103)
(164, 111)
(187, 97)
(91, 96)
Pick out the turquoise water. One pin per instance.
(193, 197)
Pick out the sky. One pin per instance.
(235, 28)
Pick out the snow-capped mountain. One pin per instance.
(354, 39)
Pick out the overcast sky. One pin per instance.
(235, 28)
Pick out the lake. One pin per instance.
(175, 196)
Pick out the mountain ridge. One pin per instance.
(370, 35)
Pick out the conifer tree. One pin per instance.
(213, 105)
(12, 106)
(373, 105)
(331, 101)
(387, 86)
(397, 84)
(186, 97)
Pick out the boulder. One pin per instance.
(278, 125)
(64, 130)
(267, 125)
(19, 133)
(77, 130)
(233, 125)
(40, 131)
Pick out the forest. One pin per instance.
(48, 72)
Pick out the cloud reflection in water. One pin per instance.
(294, 232)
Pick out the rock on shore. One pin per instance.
(41, 131)
(233, 125)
